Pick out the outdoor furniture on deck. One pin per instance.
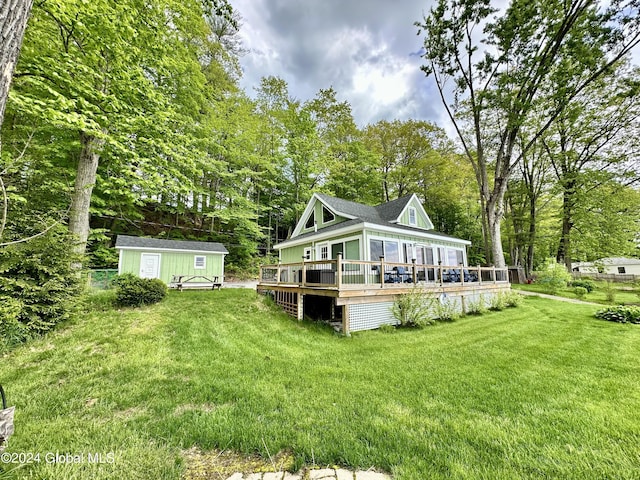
(398, 275)
(195, 281)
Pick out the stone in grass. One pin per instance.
(235, 476)
(323, 473)
(253, 476)
(273, 476)
(292, 476)
(372, 476)
(342, 474)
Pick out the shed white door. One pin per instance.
(150, 265)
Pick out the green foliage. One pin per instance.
(446, 310)
(511, 298)
(497, 302)
(581, 292)
(477, 307)
(620, 314)
(38, 286)
(132, 291)
(415, 308)
(610, 292)
(386, 328)
(553, 276)
(588, 285)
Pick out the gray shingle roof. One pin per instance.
(381, 215)
(385, 213)
(124, 241)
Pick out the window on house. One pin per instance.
(413, 216)
(310, 221)
(307, 254)
(199, 262)
(324, 252)
(621, 270)
(327, 215)
(376, 249)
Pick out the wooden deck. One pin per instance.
(361, 282)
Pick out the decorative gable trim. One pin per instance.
(309, 211)
(414, 202)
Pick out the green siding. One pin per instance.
(293, 254)
(173, 263)
(421, 219)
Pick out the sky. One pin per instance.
(367, 50)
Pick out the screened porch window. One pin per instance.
(389, 249)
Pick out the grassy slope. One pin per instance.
(542, 390)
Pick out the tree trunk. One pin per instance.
(495, 212)
(13, 21)
(85, 181)
(568, 201)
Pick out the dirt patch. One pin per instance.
(221, 464)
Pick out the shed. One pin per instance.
(164, 259)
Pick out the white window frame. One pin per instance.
(323, 251)
(413, 213)
(195, 262)
(308, 254)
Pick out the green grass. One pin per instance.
(543, 390)
(624, 293)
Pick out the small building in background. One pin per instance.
(609, 266)
(166, 259)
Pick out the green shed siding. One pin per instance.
(173, 263)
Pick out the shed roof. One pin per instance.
(128, 241)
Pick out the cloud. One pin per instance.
(367, 51)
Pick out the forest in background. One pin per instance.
(133, 111)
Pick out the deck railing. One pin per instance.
(380, 274)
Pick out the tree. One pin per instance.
(13, 21)
(593, 144)
(128, 79)
(499, 85)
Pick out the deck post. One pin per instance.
(300, 309)
(345, 320)
(382, 272)
(440, 271)
(339, 271)
(479, 275)
(304, 271)
(462, 278)
(414, 274)
(278, 274)
(493, 269)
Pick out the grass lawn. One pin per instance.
(625, 293)
(543, 390)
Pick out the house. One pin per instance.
(350, 261)
(609, 266)
(166, 259)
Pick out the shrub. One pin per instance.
(553, 276)
(580, 292)
(132, 291)
(610, 292)
(588, 285)
(446, 310)
(497, 302)
(39, 287)
(620, 314)
(414, 308)
(511, 298)
(477, 307)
